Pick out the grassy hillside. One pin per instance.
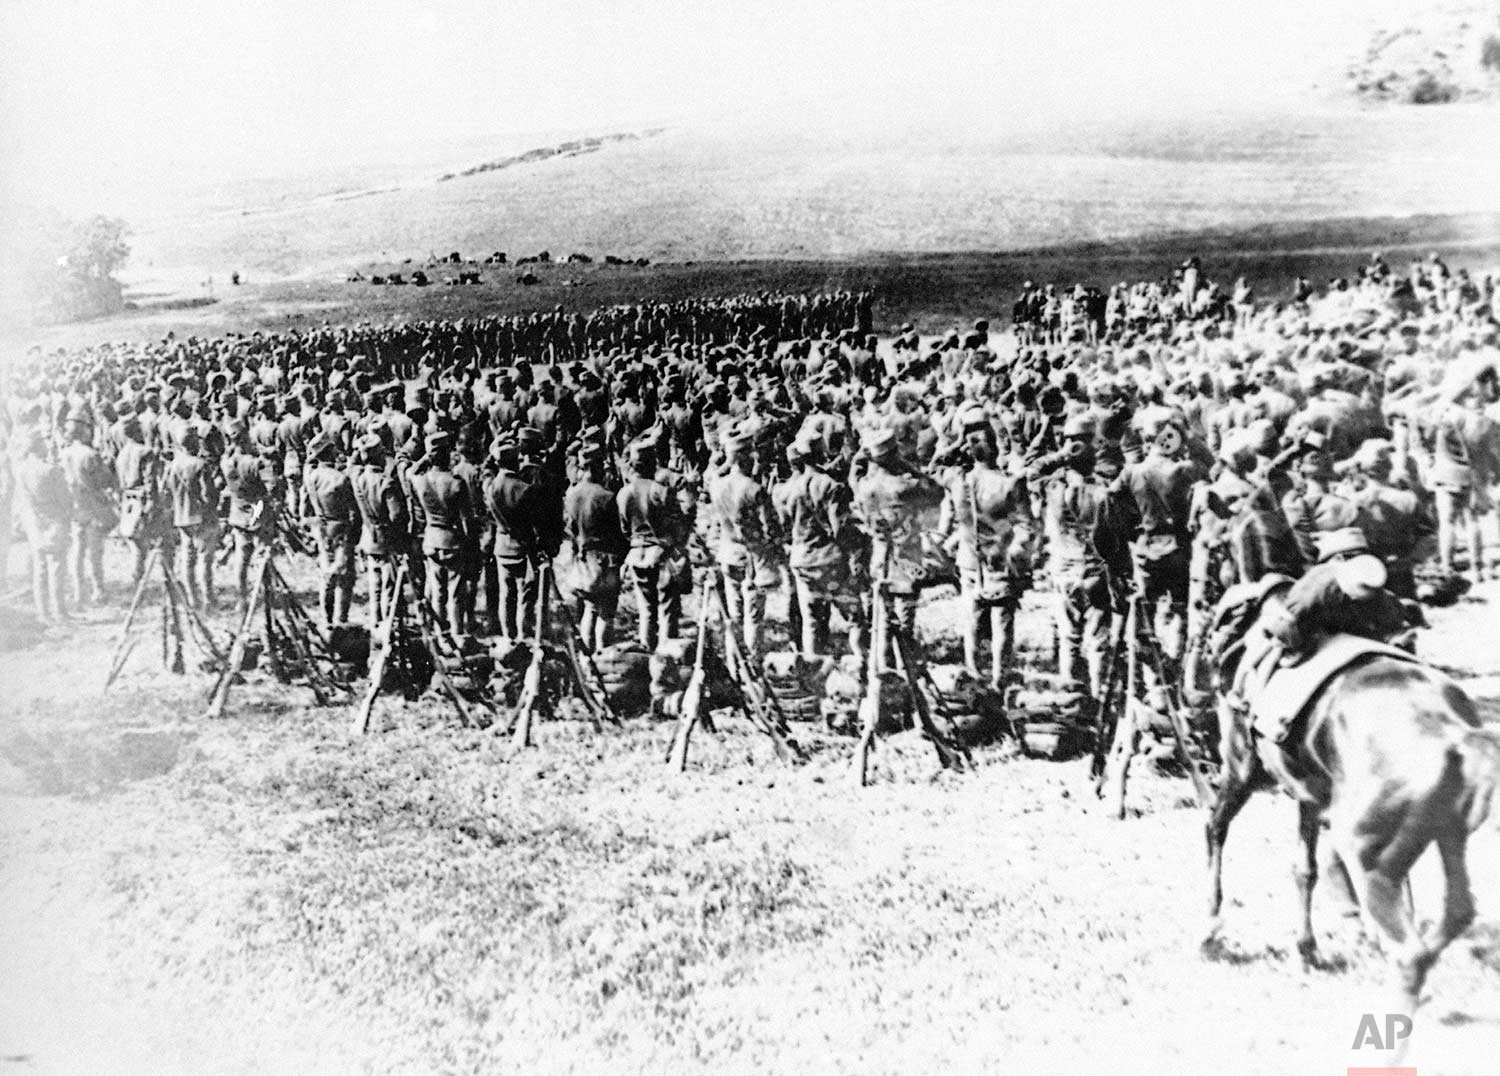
(698, 194)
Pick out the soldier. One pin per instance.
(592, 519)
(45, 508)
(1397, 522)
(137, 474)
(540, 466)
(898, 506)
(749, 542)
(513, 508)
(384, 528)
(1073, 506)
(250, 479)
(1461, 469)
(657, 530)
(815, 514)
(330, 495)
(1162, 485)
(91, 482)
(194, 497)
(479, 567)
(987, 512)
(442, 500)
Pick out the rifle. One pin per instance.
(219, 696)
(951, 755)
(758, 694)
(1103, 726)
(361, 723)
(122, 650)
(599, 703)
(531, 686)
(871, 705)
(692, 697)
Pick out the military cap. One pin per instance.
(439, 440)
(1360, 576)
(640, 450)
(973, 417)
(369, 443)
(1078, 426)
(1344, 542)
(529, 439)
(319, 446)
(880, 442)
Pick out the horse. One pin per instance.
(1392, 755)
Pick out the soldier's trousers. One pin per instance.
(380, 577)
(745, 597)
(336, 565)
(198, 544)
(818, 590)
(656, 606)
(87, 560)
(1087, 618)
(443, 589)
(517, 592)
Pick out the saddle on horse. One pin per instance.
(1255, 672)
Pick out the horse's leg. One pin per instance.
(1306, 873)
(1458, 899)
(1234, 791)
(1379, 871)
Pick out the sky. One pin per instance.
(107, 102)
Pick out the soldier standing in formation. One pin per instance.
(194, 497)
(330, 494)
(988, 514)
(749, 543)
(383, 522)
(441, 502)
(592, 521)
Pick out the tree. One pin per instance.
(61, 269)
(97, 250)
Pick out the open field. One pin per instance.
(934, 291)
(265, 894)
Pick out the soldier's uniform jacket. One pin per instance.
(815, 510)
(382, 509)
(192, 491)
(899, 509)
(550, 490)
(136, 476)
(652, 520)
(481, 524)
(988, 509)
(90, 481)
(1163, 490)
(332, 496)
(747, 520)
(1317, 511)
(592, 519)
(443, 500)
(250, 480)
(513, 504)
(1071, 512)
(44, 504)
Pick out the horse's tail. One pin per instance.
(1479, 754)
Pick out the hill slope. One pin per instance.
(700, 194)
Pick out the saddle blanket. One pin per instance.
(1279, 700)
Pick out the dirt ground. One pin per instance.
(267, 894)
